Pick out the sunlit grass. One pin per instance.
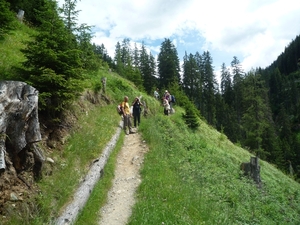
(90, 213)
(10, 46)
(194, 178)
(187, 177)
(84, 145)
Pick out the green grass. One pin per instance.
(194, 178)
(11, 55)
(84, 145)
(90, 214)
(187, 177)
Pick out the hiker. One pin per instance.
(136, 104)
(167, 95)
(156, 94)
(126, 116)
(170, 102)
(166, 106)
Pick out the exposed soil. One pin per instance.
(121, 197)
(18, 188)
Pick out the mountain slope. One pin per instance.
(188, 177)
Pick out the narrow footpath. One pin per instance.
(121, 197)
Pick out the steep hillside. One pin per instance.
(188, 177)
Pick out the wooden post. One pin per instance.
(103, 80)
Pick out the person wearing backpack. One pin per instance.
(126, 116)
(136, 111)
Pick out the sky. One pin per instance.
(255, 31)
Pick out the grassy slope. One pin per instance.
(188, 178)
(194, 178)
(10, 55)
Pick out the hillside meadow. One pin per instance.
(188, 177)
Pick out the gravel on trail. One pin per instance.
(121, 197)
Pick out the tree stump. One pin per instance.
(19, 124)
(252, 169)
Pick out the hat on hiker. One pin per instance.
(166, 91)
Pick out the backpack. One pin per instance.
(119, 110)
(173, 99)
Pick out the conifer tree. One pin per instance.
(53, 64)
(168, 64)
(81, 34)
(238, 77)
(276, 91)
(226, 85)
(255, 121)
(103, 54)
(209, 89)
(147, 67)
(191, 78)
(118, 59)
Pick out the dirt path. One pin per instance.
(121, 197)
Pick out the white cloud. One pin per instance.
(256, 31)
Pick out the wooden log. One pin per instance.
(82, 194)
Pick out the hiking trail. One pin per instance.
(121, 196)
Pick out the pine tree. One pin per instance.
(82, 35)
(226, 85)
(209, 89)
(257, 120)
(276, 91)
(191, 77)
(103, 54)
(168, 64)
(70, 15)
(238, 77)
(118, 59)
(147, 67)
(52, 64)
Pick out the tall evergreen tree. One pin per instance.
(103, 54)
(53, 65)
(255, 118)
(226, 85)
(90, 61)
(147, 67)
(82, 35)
(238, 77)
(209, 89)
(136, 56)
(276, 91)
(118, 59)
(168, 64)
(70, 15)
(191, 77)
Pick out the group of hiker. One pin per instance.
(127, 113)
(134, 110)
(167, 101)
